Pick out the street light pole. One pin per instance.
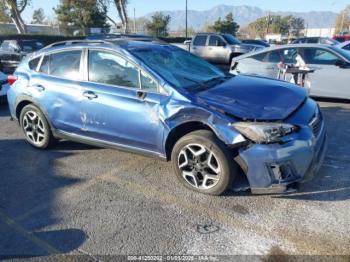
(186, 20)
(134, 21)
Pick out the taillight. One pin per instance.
(11, 79)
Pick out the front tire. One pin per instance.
(35, 127)
(203, 163)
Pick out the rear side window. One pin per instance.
(33, 64)
(260, 57)
(200, 40)
(347, 47)
(65, 64)
(274, 57)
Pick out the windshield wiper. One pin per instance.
(202, 85)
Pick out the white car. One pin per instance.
(3, 85)
(344, 45)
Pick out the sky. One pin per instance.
(143, 7)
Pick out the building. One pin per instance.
(9, 28)
(319, 32)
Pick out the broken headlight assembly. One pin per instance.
(264, 133)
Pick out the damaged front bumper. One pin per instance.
(273, 168)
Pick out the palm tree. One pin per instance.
(121, 6)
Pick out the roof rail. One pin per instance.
(73, 42)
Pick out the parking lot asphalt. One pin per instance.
(78, 199)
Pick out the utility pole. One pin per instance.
(186, 20)
(134, 21)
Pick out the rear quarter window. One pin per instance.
(33, 64)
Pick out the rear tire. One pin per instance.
(35, 127)
(203, 163)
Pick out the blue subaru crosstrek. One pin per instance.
(161, 101)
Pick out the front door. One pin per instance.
(114, 107)
(217, 51)
(328, 79)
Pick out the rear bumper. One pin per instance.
(273, 168)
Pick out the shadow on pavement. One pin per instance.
(28, 203)
(332, 183)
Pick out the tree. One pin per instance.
(4, 16)
(14, 9)
(277, 24)
(38, 16)
(158, 26)
(343, 20)
(228, 25)
(75, 16)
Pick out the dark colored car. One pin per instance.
(12, 52)
(315, 40)
(255, 42)
(162, 101)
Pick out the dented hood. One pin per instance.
(254, 98)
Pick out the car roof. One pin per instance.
(272, 48)
(120, 45)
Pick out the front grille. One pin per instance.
(316, 123)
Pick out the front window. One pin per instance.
(215, 41)
(178, 67)
(65, 64)
(108, 68)
(319, 56)
(231, 40)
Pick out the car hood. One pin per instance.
(254, 98)
(249, 47)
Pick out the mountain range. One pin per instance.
(243, 15)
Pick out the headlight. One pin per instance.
(264, 133)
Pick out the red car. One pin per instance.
(342, 37)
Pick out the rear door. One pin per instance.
(120, 103)
(198, 46)
(328, 80)
(56, 86)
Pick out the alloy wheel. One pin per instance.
(199, 166)
(33, 127)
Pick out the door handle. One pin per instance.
(90, 95)
(38, 87)
(141, 95)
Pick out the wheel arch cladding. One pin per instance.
(185, 121)
(20, 106)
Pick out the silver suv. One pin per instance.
(219, 48)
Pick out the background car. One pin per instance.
(3, 85)
(344, 45)
(218, 48)
(162, 101)
(256, 42)
(315, 40)
(331, 77)
(12, 52)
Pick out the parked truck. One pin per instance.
(218, 48)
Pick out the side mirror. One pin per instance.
(341, 63)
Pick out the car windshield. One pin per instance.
(231, 40)
(178, 67)
(344, 53)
